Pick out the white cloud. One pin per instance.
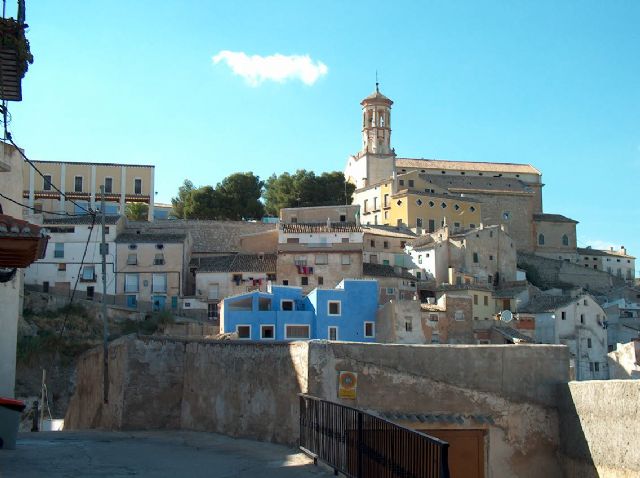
(256, 69)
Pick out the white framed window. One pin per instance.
(158, 260)
(298, 331)
(58, 251)
(286, 304)
(159, 283)
(131, 282)
(267, 332)
(89, 273)
(369, 329)
(332, 333)
(346, 259)
(132, 259)
(334, 307)
(243, 331)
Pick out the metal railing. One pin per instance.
(358, 444)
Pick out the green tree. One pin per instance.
(236, 197)
(202, 203)
(304, 188)
(178, 202)
(137, 211)
(240, 195)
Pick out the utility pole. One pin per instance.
(105, 345)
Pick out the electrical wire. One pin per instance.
(66, 214)
(75, 286)
(30, 163)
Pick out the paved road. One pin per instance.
(150, 454)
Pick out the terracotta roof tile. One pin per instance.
(237, 263)
(383, 270)
(552, 218)
(442, 164)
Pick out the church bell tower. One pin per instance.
(376, 159)
(376, 123)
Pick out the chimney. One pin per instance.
(623, 250)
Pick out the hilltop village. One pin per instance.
(443, 281)
(429, 252)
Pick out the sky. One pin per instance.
(202, 89)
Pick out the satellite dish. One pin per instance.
(506, 316)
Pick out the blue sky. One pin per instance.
(553, 84)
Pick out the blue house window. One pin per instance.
(369, 329)
(243, 331)
(296, 332)
(286, 305)
(332, 333)
(335, 307)
(267, 332)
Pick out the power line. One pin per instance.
(38, 210)
(24, 156)
(80, 269)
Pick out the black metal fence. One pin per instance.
(361, 445)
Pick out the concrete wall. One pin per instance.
(513, 385)
(624, 361)
(599, 429)
(234, 388)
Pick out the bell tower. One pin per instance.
(376, 160)
(376, 123)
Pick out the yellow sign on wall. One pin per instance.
(347, 385)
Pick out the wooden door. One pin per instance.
(466, 451)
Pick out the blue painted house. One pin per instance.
(347, 313)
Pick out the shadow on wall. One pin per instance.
(229, 387)
(598, 426)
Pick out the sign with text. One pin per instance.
(347, 385)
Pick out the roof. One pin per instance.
(129, 237)
(444, 164)
(376, 95)
(383, 270)
(237, 263)
(396, 231)
(13, 227)
(478, 183)
(83, 219)
(95, 164)
(209, 237)
(512, 334)
(297, 228)
(587, 251)
(552, 218)
(422, 241)
(547, 303)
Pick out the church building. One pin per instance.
(425, 194)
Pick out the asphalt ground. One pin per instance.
(150, 454)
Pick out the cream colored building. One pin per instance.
(493, 193)
(486, 255)
(616, 262)
(151, 269)
(81, 181)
